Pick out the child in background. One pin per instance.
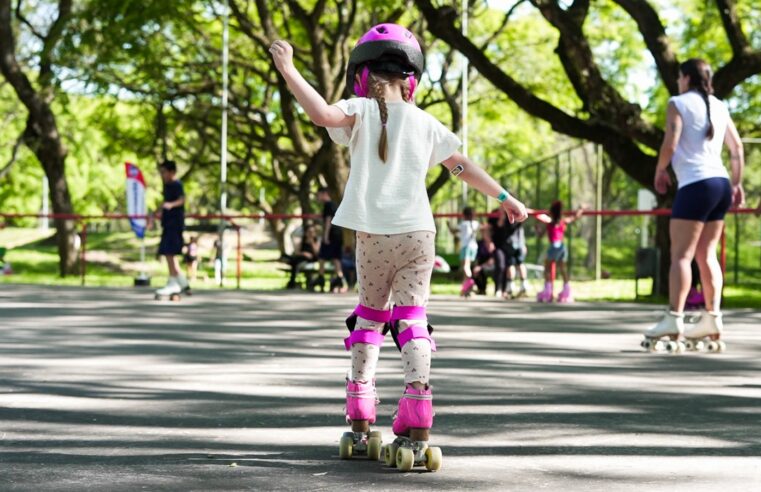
(468, 249)
(557, 254)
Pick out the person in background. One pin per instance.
(172, 215)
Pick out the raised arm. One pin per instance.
(737, 160)
(471, 173)
(319, 111)
(573, 218)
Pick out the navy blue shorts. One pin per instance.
(705, 201)
(171, 242)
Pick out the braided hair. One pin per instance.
(377, 83)
(699, 73)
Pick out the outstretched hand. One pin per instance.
(282, 55)
(515, 210)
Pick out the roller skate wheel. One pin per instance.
(374, 434)
(405, 459)
(722, 346)
(712, 346)
(374, 448)
(433, 459)
(689, 345)
(346, 446)
(389, 454)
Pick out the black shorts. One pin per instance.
(171, 242)
(330, 251)
(514, 256)
(705, 201)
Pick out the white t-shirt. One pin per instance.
(468, 230)
(696, 157)
(390, 197)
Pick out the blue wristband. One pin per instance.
(503, 195)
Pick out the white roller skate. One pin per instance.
(670, 327)
(184, 285)
(706, 333)
(171, 290)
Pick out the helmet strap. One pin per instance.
(361, 88)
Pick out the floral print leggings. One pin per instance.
(397, 265)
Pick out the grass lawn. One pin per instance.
(113, 260)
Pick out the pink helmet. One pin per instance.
(385, 48)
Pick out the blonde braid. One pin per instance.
(376, 91)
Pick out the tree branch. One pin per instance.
(737, 39)
(654, 35)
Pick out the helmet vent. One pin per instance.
(382, 29)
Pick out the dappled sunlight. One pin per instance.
(111, 376)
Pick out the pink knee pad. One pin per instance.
(360, 401)
(421, 330)
(415, 411)
(365, 336)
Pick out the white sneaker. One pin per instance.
(710, 325)
(171, 287)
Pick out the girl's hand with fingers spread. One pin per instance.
(516, 211)
(282, 54)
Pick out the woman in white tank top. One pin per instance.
(697, 124)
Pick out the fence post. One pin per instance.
(737, 249)
(238, 260)
(83, 248)
(598, 218)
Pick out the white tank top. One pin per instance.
(696, 157)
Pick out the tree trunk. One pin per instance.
(41, 133)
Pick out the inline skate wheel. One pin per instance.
(374, 448)
(346, 446)
(389, 454)
(405, 459)
(433, 459)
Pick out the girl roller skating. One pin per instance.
(392, 144)
(557, 254)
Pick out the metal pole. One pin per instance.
(223, 150)
(464, 102)
(598, 217)
(737, 250)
